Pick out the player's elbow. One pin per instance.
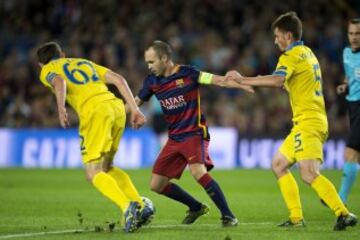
(58, 83)
(114, 78)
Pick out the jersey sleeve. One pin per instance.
(145, 92)
(47, 75)
(193, 73)
(285, 66)
(101, 71)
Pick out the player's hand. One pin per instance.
(341, 89)
(247, 88)
(63, 117)
(137, 119)
(233, 76)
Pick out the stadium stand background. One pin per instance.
(213, 35)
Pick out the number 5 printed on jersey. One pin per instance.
(298, 142)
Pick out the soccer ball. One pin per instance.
(147, 213)
(148, 203)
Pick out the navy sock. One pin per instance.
(175, 192)
(214, 191)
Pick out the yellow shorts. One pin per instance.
(304, 144)
(101, 129)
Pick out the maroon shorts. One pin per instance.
(174, 157)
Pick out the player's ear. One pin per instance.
(289, 36)
(62, 54)
(164, 58)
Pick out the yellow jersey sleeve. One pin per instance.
(101, 70)
(48, 72)
(285, 66)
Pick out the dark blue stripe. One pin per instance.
(294, 44)
(182, 136)
(282, 68)
(184, 124)
(176, 91)
(189, 105)
(279, 73)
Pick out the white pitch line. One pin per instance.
(33, 234)
(161, 226)
(205, 225)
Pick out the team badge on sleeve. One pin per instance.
(50, 77)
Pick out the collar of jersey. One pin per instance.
(355, 50)
(294, 44)
(170, 77)
(53, 59)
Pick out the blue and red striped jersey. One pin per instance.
(179, 97)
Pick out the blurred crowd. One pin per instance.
(213, 35)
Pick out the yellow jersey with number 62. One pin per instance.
(85, 83)
(303, 82)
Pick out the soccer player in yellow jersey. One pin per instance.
(82, 84)
(298, 71)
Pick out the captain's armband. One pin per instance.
(205, 78)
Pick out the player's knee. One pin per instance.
(156, 187)
(197, 174)
(91, 173)
(308, 176)
(90, 176)
(351, 155)
(197, 170)
(278, 167)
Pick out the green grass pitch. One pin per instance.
(52, 204)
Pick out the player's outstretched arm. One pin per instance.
(259, 81)
(59, 86)
(137, 118)
(208, 78)
(138, 102)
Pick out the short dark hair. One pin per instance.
(48, 51)
(354, 21)
(161, 48)
(289, 22)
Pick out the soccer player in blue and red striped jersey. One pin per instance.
(177, 89)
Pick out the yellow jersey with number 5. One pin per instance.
(303, 82)
(85, 83)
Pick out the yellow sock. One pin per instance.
(107, 186)
(290, 193)
(125, 184)
(327, 192)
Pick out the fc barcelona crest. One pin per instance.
(180, 83)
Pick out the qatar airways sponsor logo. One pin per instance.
(173, 102)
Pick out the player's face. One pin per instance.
(155, 64)
(281, 39)
(354, 35)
